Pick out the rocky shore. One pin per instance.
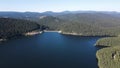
(32, 33)
(2, 40)
(67, 33)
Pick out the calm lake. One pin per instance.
(49, 50)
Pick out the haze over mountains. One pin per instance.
(2, 13)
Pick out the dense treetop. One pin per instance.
(109, 57)
(10, 27)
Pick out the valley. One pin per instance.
(90, 24)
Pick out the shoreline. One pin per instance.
(35, 32)
(76, 34)
(51, 31)
(32, 33)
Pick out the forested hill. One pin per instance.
(52, 23)
(12, 27)
(92, 24)
(88, 23)
(101, 19)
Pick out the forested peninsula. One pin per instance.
(15, 27)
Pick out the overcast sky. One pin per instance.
(59, 5)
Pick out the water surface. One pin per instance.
(49, 50)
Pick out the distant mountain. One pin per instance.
(19, 15)
(23, 15)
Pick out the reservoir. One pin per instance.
(49, 50)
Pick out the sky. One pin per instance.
(59, 5)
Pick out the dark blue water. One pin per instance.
(49, 50)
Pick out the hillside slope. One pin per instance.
(11, 27)
(81, 22)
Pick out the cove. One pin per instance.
(49, 50)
